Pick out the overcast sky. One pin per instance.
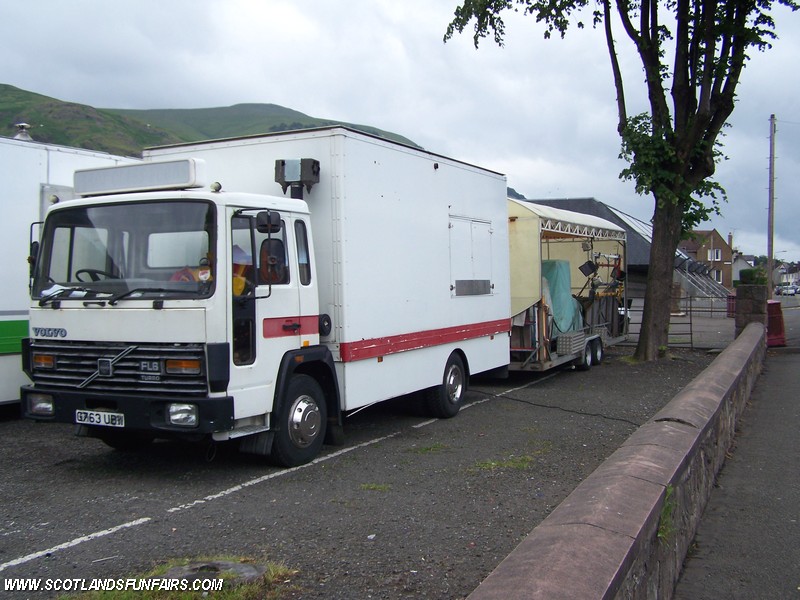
(540, 111)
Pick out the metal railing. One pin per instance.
(688, 317)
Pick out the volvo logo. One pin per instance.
(105, 367)
(50, 332)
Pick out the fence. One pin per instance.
(691, 320)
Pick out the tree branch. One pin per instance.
(706, 22)
(681, 86)
(612, 52)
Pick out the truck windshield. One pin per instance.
(131, 250)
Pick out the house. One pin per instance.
(710, 249)
(740, 263)
(786, 273)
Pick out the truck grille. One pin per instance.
(121, 368)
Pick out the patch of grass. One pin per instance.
(437, 447)
(512, 462)
(542, 447)
(666, 522)
(274, 584)
(376, 487)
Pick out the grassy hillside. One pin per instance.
(238, 120)
(127, 132)
(77, 125)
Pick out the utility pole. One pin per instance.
(771, 218)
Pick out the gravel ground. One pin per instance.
(409, 508)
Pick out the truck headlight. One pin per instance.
(182, 414)
(40, 405)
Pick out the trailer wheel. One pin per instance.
(444, 401)
(584, 362)
(301, 424)
(597, 351)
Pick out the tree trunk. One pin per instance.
(654, 333)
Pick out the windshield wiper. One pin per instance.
(143, 290)
(63, 291)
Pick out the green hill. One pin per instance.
(127, 132)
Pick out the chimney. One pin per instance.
(22, 132)
(730, 239)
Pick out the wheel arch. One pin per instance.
(464, 361)
(317, 363)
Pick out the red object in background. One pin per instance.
(776, 335)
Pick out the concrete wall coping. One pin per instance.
(625, 530)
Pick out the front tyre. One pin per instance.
(301, 423)
(444, 401)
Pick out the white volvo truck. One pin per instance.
(257, 289)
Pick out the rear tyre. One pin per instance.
(301, 425)
(597, 351)
(584, 362)
(444, 401)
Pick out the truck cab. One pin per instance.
(160, 309)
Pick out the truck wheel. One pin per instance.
(301, 423)
(444, 401)
(597, 351)
(584, 363)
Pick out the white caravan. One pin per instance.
(35, 174)
(189, 296)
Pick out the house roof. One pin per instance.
(690, 245)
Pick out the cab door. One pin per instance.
(265, 310)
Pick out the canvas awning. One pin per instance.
(530, 224)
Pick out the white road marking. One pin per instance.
(75, 542)
(281, 473)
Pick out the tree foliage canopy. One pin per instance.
(672, 149)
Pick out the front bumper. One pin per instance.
(142, 412)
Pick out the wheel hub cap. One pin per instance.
(454, 385)
(304, 421)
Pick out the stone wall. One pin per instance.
(751, 306)
(625, 531)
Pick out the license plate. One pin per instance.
(96, 417)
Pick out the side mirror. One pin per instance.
(268, 221)
(34, 253)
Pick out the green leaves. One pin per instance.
(660, 166)
(556, 15)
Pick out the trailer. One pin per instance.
(258, 289)
(568, 298)
(35, 175)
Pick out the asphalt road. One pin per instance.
(409, 508)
